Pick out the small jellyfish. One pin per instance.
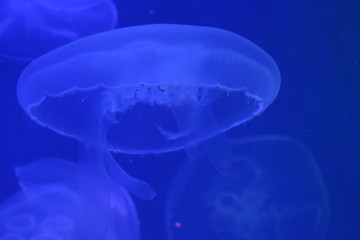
(30, 28)
(149, 89)
(58, 200)
(273, 191)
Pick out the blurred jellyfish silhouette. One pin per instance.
(274, 191)
(149, 89)
(30, 28)
(60, 200)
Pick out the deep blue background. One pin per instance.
(316, 45)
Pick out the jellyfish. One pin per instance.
(30, 28)
(59, 200)
(274, 190)
(149, 89)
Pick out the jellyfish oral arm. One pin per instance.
(135, 186)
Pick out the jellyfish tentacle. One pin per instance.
(219, 152)
(185, 116)
(135, 186)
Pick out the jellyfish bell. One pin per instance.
(152, 88)
(274, 190)
(30, 28)
(60, 199)
(148, 89)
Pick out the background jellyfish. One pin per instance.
(149, 89)
(273, 191)
(59, 200)
(30, 28)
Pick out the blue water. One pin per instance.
(315, 45)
